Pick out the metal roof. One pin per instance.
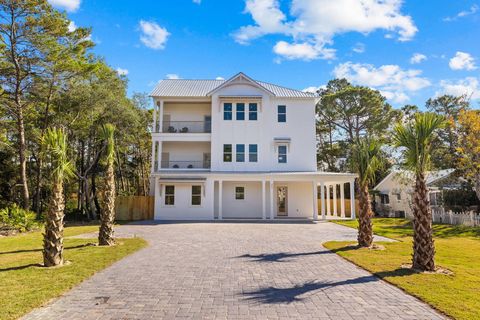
(200, 88)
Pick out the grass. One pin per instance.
(25, 285)
(457, 249)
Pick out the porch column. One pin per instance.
(322, 196)
(335, 200)
(220, 199)
(152, 169)
(328, 200)
(271, 199)
(342, 200)
(160, 117)
(154, 125)
(352, 199)
(264, 216)
(159, 155)
(315, 200)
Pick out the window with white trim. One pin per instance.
(227, 153)
(239, 193)
(282, 154)
(240, 156)
(252, 111)
(282, 113)
(169, 195)
(227, 111)
(240, 113)
(252, 153)
(196, 195)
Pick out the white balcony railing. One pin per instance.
(182, 164)
(185, 127)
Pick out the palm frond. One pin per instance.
(55, 144)
(366, 159)
(107, 133)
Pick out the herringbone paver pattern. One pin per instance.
(235, 271)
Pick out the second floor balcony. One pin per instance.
(185, 127)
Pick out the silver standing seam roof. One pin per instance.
(200, 88)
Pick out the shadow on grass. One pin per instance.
(272, 295)
(280, 257)
(39, 250)
(21, 267)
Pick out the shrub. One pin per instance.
(17, 218)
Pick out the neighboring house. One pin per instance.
(393, 196)
(237, 148)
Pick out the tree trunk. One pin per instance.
(365, 231)
(477, 185)
(53, 236)
(423, 246)
(23, 159)
(107, 215)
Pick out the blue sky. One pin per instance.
(295, 43)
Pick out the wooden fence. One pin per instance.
(134, 208)
(347, 207)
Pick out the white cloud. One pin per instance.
(197, 1)
(303, 51)
(473, 9)
(469, 86)
(72, 26)
(314, 89)
(359, 47)
(462, 61)
(68, 5)
(122, 72)
(172, 76)
(153, 36)
(417, 58)
(314, 23)
(391, 80)
(219, 78)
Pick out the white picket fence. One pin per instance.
(469, 218)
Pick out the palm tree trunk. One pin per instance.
(53, 236)
(365, 231)
(423, 246)
(107, 215)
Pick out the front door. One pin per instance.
(282, 205)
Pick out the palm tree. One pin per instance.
(55, 146)
(107, 214)
(416, 139)
(366, 161)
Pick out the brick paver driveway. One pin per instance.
(235, 270)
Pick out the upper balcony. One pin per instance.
(185, 126)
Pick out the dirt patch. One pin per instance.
(438, 270)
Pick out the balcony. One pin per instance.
(183, 165)
(185, 127)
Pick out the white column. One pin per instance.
(342, 200)
(264, 216)
(315, 200)
(153, 156)
(352, 199)
(327, 196)
(322, 196)
(271, 200)
(335, 200)
(160, 117)
(154, 126)
(159, 155)
(220, 199)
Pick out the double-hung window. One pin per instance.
(169, 195)
(227, 153)
(196, 195)
(252, 111)
(239, 193)
(240, 111)
(252, 153)
(240, 153)
(282, 154)
(282, 113)
(227, 111)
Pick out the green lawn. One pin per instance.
(457, 249)
(25, 285)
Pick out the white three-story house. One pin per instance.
(239, 149)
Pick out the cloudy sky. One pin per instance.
(409, 50)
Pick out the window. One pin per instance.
(252, 111)
(282, 154)
(384, 199)
(196, 195)
(227, 153)
(252, 153)
(227, 111)
(239, 193)
(240, 111)
(282, 113)
(399, 196)
(240, 153)
(169, 195)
